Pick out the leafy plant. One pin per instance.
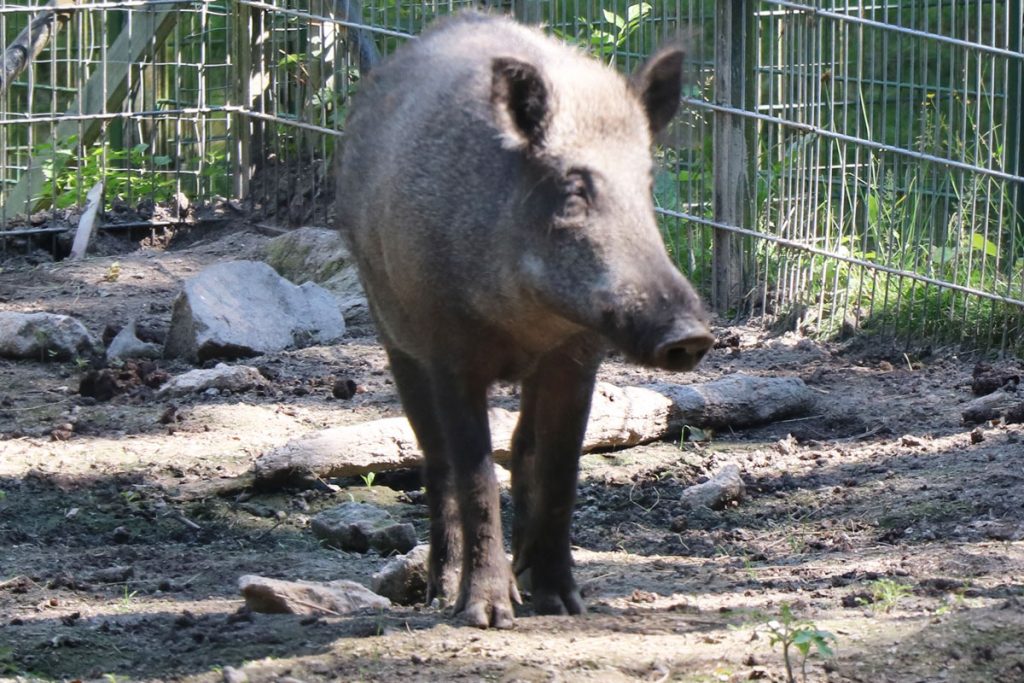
(798, 635)
(607, 41)
(113, 272)
(368, 478)
(69, 172)
(886, 593)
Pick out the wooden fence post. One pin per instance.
(734, 148)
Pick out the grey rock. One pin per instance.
(234, 378)
(319, 255)
(128, 345)
(274, 596)
(723, 488)
(244, 308)
(359, 527)
(403, 579)
(233, 675)
(44, 336)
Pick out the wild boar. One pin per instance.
(495, 191)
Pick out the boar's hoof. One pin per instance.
(488, 602)
(558, 602)
(444, 587)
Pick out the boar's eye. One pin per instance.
(577, 194)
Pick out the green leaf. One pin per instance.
(161, 160)
(979, 243)
(873, 209)
(641, 9)
(613, 18)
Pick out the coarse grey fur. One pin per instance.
(495, 191)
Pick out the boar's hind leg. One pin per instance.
(445, 561)
(545, 463)
(487, 588)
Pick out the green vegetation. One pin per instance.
(886, 594)
(798, 638)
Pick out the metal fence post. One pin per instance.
(1015, 130)
(242, 144)
(733, 148)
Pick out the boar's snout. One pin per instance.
(683, 346)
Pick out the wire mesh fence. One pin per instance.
(838, 167)
(129, 94)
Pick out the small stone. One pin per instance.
(121, 535)
(44, 337)
(977, 436)
(358, 527)
(126, 344)
(343, 389)
(404, 578)
(233, 675)
(273, 596)
(233, 378)
(116, 574)
(725, 487)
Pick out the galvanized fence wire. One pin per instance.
(891, 140)
(132, 94)
(884, 185)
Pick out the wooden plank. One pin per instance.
(103, 92)
(87, 223)
(733, 144)
(31, 41)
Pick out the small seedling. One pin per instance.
(693, 434)
(113, 272)
(955, 600)
(126, 598)
(885, 593)
(368, 478)
(800, 635)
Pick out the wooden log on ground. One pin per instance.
(619, 417)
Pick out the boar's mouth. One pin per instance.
(677, 346)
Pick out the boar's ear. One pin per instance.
(658, 83)
(520, 100)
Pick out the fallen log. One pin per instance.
(619, 418)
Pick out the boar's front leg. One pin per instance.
(545, 463)
(414, 389)
(487, 588)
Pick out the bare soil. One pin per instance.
(125, 524)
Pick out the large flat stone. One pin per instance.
(319, 255)
(244, 308)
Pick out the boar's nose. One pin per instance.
(683, 347)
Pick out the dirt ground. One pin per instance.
(125, 524)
